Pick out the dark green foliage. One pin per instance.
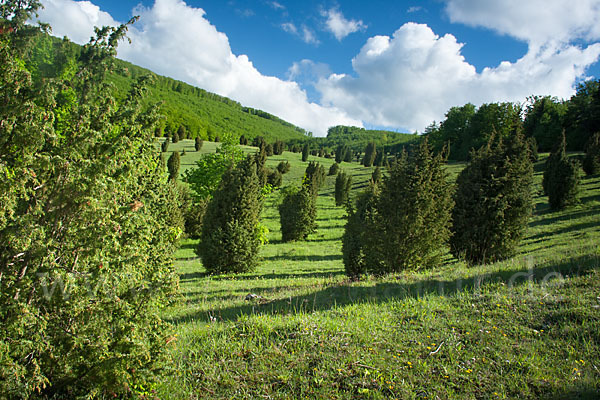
(341, 153)
(356, 139)
(305, 151)
(493, 201)
(275, 178)
(182, 132)
(173, 166)
(582, 119)
(376, 176)
(407, 224)
(269, 150)
(278, 147)
(591, 161)
(88, 226)
(192, 209)
(231, 233)
(379, 159)
(544, 121)
(217, 139)
(413, 213)
(198, 143)
(466, 128)
(259, 141)
(243, 140)
(314, 176)
(165, 145)
(356, 240)
(334, 169)
(297, 213)
(343, 184)
(533, 149)
(260, 160)
(370, 153)
(175, 138)
(283, 167)
(349, 155)
(561, 178)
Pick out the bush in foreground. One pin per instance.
(591, 161)
(86, 226)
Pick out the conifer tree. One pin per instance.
(283, 167)
(198, 143)
(376, 176)
(165, 145)
(305, 152)
(561, 177)
(175, 137)
(591, 161)
(358, 246)
(231, 236)
(413, 213)
(274, 178)
(343, 184)
(493, 201)
(297, 213)
(334, 169)
(87, 224)
(370, 153)
(173, 164)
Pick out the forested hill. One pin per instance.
(199, 112)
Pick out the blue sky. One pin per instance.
(317, 63)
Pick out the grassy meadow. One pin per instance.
(527, 327)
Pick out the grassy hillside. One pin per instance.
(202, 113)
(526, 327)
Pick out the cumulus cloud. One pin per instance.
(412, 78)
(305, 33)
(177, 40)
(82, 16)
(535, 21)
(341, 27)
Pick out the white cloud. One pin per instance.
(306, 34)
(176, 40)
(414, 9)
(414, 77)
(338, 25)
(289, 28)
(536, 21)
(277, 6)
(82, 16)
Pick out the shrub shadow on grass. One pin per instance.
(581, 393)
(187, 277)
(346, 294)
(309, 258)
(575, 214)
(567, 229)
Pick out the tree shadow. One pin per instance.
(567, 229)
(566, 217)
(308, 257)
(341, 294)
(577, 392)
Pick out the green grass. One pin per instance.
(526, 327)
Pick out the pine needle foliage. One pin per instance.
(343, 184)
(230, 238)
(561, 178)
(173, 164)
(358, 247)
(87, 226)
(405, 224)
(493, 201)
(591, 161)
